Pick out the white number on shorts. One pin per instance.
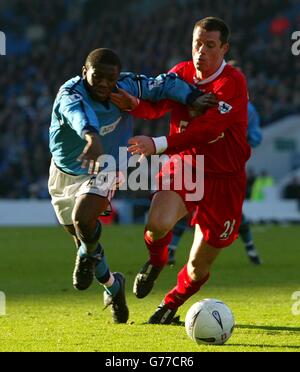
(229, 226)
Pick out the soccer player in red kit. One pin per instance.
(220, 134)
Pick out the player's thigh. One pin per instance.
(93, 197)
(63, 189)
(88, 207)
(167, 207)
(202, 255)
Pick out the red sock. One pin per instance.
(184, 289)
(158, 249)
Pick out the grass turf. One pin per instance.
(44, 313)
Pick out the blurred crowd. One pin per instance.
(47, 43)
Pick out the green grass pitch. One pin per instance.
(44, 313)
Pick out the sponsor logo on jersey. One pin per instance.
(224, 107)
(109, 128)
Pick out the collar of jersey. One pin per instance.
(211, 77)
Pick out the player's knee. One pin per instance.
(159, 228)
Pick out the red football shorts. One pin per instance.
(219, 212)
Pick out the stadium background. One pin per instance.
(47, 42)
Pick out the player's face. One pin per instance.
(100, 80)
(208, 51)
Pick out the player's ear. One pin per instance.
(84, 71)
(225, 48)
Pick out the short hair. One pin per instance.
(103, 56)
(215, 24)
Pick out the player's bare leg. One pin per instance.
(166, 209)
(71, 230)
(190, 279)
(88, 230)
(91, 259)
(201, 258)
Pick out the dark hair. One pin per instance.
(103, 56)
(215, 24)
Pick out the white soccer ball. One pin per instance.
(209, 322)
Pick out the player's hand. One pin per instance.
(91, 153)
(141, 145)
(124, 100)
(202, 104)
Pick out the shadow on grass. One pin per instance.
(275, 329)
(178, 322)
(268, 328)
(265, 346)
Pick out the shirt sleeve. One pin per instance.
(254, 129)
(164, 86)
(208, 128)
(78, 113)
(152, 110)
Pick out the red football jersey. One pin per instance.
(221, 133)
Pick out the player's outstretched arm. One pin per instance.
(91, 153)
(140, 108)
(164, 86)
(154, 110)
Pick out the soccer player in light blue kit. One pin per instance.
(86, 125)
(254, 139)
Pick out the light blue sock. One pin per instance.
(102, 274)
(114, 289)
(83, 253)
